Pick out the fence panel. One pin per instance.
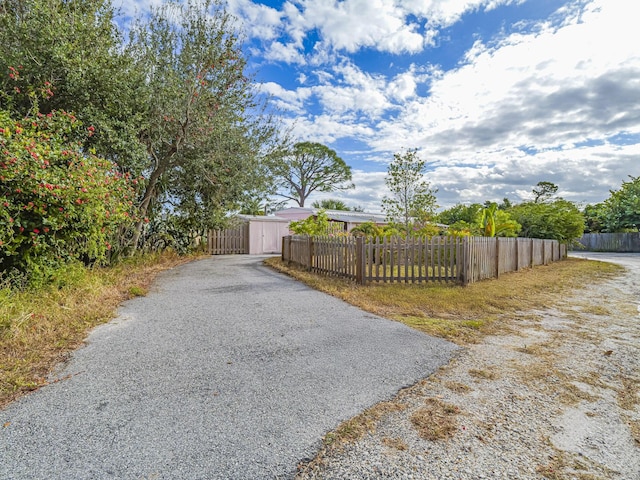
(435, 259)
(229, 241)
(611, 242)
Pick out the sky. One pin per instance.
(495, 95)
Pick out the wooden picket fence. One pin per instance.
(441, 259)
(230, 241)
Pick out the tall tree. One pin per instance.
(311, 167)
(622, 208)
(67, 55)
(205, 131)
(411, 199)
(544, 191)
(560, 220)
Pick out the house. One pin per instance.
(348, 218)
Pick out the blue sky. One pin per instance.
(496, 95)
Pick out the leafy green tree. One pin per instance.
(331, 204)
(58, 202)
(460, 213)
(313, 225)
(544, 191)
(559, 219)
(411, 202)
(622, 208)
(311, 167)
(595, 218)
(67, 55)
(205, 132)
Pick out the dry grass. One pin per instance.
(436, 420)
(484, 374)
(628, 395)
(462, 314)
(38, 329)
(458, 387)
(356, 427)
(395, 443)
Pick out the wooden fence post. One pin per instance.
(310, 251)
(360, 261)
(497, 257)
(517, 255)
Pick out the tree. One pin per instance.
(205, 132)
(330, 204)
(560, 220)
(544, 191)
(622, 208)
(595, 218)
(460, 213)
(67, 55)
(411, 202)
(311, 167)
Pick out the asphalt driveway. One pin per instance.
(225, 370)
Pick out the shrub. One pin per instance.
(58, 202)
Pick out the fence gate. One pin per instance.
(229, 241)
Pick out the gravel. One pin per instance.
(544, 400)
(225, 370)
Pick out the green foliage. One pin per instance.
(544, 191)
(367, 229)
(492, 222)
(68, 53)
(560, 220)
(595, 220)
(310, 167)
(460, 213)
(205, 129)
(59, 203)
(318, 225)
(622, 208)
(331, 204)
(411, 203)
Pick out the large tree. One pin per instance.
(330, 204)
(622, 208)
(205, 131)
(411, 201)
(311, 167)
(559, 219)
(67, 55)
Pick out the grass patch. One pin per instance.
(38, 328)
(483, 374)
(462, 314)
(436, 420)
(458, 387)
(395, 443)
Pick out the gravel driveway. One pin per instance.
(555, 395)
(224, 370)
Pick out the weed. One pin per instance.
(436, 420)
(483, 374)
(396, 443)
(458, 387)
